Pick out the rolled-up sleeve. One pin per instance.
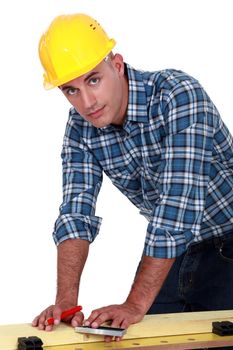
(82, 179)
(184, 173)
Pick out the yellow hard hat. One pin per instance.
(72, 46)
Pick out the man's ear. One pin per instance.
(118, 63)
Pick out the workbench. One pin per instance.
(190, 330)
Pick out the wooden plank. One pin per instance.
(151, 326)
(178, 342)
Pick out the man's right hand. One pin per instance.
(55, 311)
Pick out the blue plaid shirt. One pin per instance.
(173, 159)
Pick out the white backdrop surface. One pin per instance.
(192, 35)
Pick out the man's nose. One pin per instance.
(88, 99)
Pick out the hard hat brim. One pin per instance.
(48, 85)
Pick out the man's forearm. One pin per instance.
(72, 255)
(148, 281)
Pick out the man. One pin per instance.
(160, 139)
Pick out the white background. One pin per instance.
(194, 36)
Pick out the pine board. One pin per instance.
(150, 326)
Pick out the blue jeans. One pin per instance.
(200, 280)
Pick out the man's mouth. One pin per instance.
(97, 113)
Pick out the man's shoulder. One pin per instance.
(161, 82)
(167, 78)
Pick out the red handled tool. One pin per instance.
(66, 313)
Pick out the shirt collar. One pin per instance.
(137, 103)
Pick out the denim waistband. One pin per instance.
(213, 242)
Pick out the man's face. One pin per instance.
(101, 95)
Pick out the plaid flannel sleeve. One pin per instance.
(186, 158)
(82, 179)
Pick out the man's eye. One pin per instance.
(71, 91)
(94, 81)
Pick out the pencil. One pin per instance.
(66, 313)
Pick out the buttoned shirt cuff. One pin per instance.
(166, 244)
(71, 226)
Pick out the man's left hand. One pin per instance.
(121, 316)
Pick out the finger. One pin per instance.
(108, 338)
(41, 322)
(116, 323)
(125, 324)
(43, 319)
(118, 338)
(94, 314)
(35, 321)
(56, 314)
(77, 320)
(99, 316)
(48, 328)
(91, 318)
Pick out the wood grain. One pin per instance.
(150, 326)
